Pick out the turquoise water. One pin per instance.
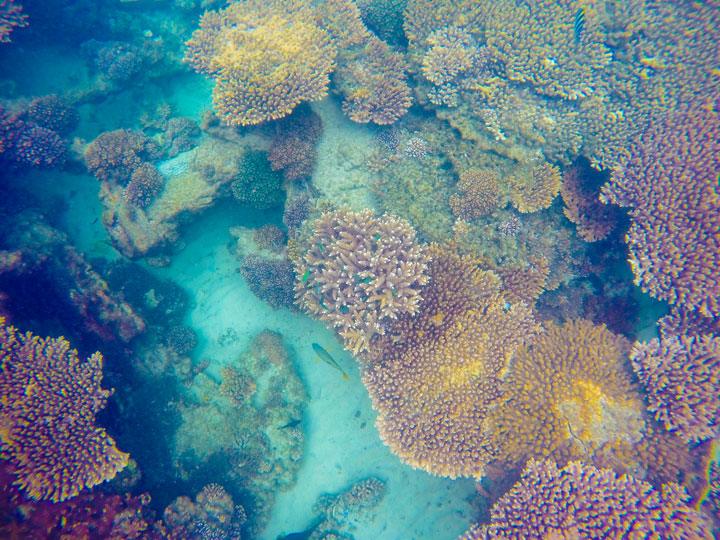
(216, 382)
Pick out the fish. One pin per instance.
(325, 356)
(579, 25)
(291, 424)
(306, 275)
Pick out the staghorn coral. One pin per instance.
(479, 188)
(582, 501)
(433, 376)
(670, 181)
(535, 186)
(681, 375)
(539, 45)
(580, 193)
(265, 57)
(566, 395)
(359, 273)
(11, 16)
(47, 431)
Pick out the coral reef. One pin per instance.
(359, 273)
(51, 112)
(145, 182)
(293, 147)
(434, 376)
(343, 513)
(180, 135)
(265, 57)
(50, 399)
(115, 155)
(11, 16)
(581, 501)
(213, 515)
(669, 180)
(258, 185)
(119, 61)
(296, 212)
(479, 189)
(681, 376)
(580, 192)
(534, 187)
(40, 260)
(271, 280)
(181, 339)
(25, 143)
(566, 396)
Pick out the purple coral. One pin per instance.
(681, 375)
(25, 143)
(270, 280)
(50, 399)
(581, 501)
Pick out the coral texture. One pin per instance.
(534, 188)
(25, 143)
(53, 113)
(48, 430)
(11, 16)
(361, 272)
(115, 155)
(266, 57)
(257, 184)
(145, 182)
(479, 188)
(567, 395)
(581, 501)
(434, 376)
(293, 148)
(681, 375)
(669, 178)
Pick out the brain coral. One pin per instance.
(266, 57)
(681, 375)
(567, 394)
(580, 501)
(360, 273)
(434, 375)
(47, 425)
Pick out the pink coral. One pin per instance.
(681, 375)
(48, 431)
(669, 179)
(581, 501)
(11, 16)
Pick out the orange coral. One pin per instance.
(567, 395)
(266, 58)
(433, 376)
(535, 188)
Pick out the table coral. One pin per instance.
(48, 430)
(681, 375)
(581, 501)
(670, 181)
(435, 375)
(265, 57)
(567, 395)
(359, 273)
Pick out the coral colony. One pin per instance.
(507, 213)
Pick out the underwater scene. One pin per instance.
(359, 269)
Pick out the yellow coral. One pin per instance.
(536, 187)
(265, 57)
(567, 395)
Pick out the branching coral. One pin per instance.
(115, 155)
(265, 58)
(534, 187)
(145, 182)
(548, 48)
(360, 273)
(47, 431)
(681, 375)
(670, 180)
(567, 395)
(26, 143)
(434, 376)
(11, 16)
(257, 184)
(293, 148)
(479, 188)
(581, 501)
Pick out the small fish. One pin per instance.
(325, 356)
(306, 275)
(579, 24)
(322, 248)
(291, 424)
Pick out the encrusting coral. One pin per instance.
(360, 272)
(266, 57)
